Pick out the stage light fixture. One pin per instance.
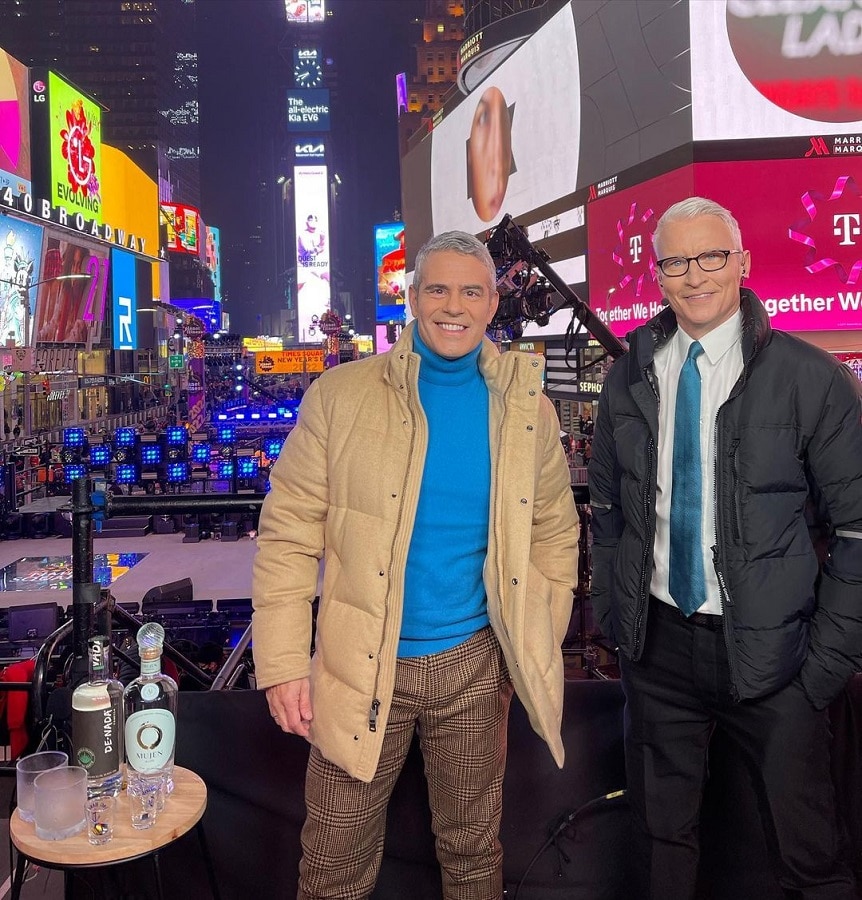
(226, 434)
(74, 437)
(100, 455)
(74, 471)
(272, 446)
(255, 415)
(225, 468)
(247, 467)
(201, 453)
(125, 437)
(176, 434)
(178, 472)
(151, 455)
(126, 473)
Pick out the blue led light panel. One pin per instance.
(151, 454)
(201, 453)
(73, 437)
(100, 455)
(225, 468)
(226, 434)
(126, 474)
(178, 472)
(247, 467)
(125, 437)
(176, 434)
(70, 473)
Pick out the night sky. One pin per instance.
(242, 77)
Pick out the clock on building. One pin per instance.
(307, 73)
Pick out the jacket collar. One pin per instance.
(497, 368)
(756, 332)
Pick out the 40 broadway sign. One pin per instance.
(43, 209)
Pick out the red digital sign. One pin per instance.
(183, 228)
(801, 219)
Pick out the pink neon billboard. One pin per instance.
(800, 218)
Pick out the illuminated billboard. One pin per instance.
(800, 219)
(390, 272)
(288, 362)
(311, 193)
(20, 261)
(72, 311)
(303, 12)
(182, 225)
(762, 70)
(124, 294)
(131, 204)
(14, 126)
(212, 254)
(308, 110)
(76, 153)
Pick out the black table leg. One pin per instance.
(205, 850)
(18, 880)
(157, 868)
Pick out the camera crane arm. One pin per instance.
(524, 250)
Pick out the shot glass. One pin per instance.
(146, 795)
(61, 795)
(27, 768)
(100, 819)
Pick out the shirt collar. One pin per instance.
(717, 342)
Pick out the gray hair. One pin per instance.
(460, 242)
(691, 209)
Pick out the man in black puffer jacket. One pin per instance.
(715, 436)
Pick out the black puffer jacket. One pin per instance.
(789, 432)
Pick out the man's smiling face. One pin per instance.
(454, 303)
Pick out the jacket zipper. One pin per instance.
(375, 703)
(723, 593)
(735, 523)
(639, 615)
(496, 482)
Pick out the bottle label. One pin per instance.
(151, 666)
(96, 740)
(150, 739)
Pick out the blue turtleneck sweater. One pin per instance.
(444, 596)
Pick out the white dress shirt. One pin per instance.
(720, 366)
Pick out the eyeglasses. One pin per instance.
(709, 261)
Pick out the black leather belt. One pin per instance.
(704, 620)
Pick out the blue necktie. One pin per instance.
(687, 582)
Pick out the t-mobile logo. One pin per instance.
(846, 226)
(635, 244)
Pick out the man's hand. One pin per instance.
(290, 706)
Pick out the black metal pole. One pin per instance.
(85, 594)
(145, 505)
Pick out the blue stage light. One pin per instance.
(178, 472)
(201, 453)
(272, 447)
(226, 434)
(225, 468)
(125, 437)
(100, 455)
(70, 473)
(74, 437)
(151, 454)
(176, 434)
(126, 474)
(247, 467)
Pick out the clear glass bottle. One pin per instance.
(150, 706)
(97, 722)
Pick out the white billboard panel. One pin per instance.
(311, 192)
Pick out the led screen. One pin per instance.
(20, 267)
(182, 224)
(801, 220)
(125, 300)
(513, 144)
(390, 271)
(76, 137)
(762, 69)
(72, 311)
(213, 259)
(312, 248)
(14, 126)
(304, 11)
(308, 110)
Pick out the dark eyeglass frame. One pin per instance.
(690, 259)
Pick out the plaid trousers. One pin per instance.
(458, 701)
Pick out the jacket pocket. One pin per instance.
(736, 513)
